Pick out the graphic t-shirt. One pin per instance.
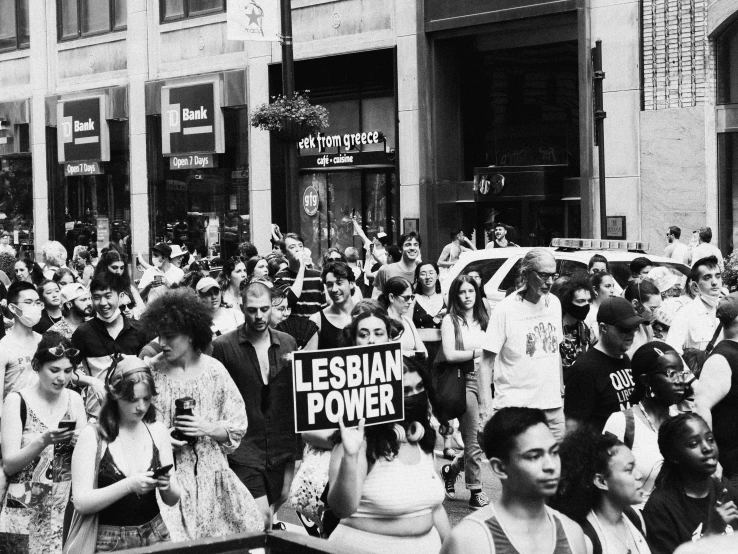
(526, 339)
(596, 386)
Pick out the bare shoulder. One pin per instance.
(468, 537)
(723, 544)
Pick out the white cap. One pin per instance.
(176, 251)
(72, 291)
(206, 283)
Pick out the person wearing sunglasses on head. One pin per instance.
(397, 299)
(40, 423)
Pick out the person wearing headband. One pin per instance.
(133, 447)
(38, 428)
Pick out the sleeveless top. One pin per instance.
(132, 509)
(393, 489)
(725, 412)
(500, 543)
(330, 336)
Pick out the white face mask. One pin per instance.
(28, 315)
(711, 301)
(158, 262)
(111, 317)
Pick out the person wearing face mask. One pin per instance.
(576, 300)
(646, 301)
(163, 273)
(695, 324)
(601, 382)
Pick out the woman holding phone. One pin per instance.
(135, 460)
(38, 430)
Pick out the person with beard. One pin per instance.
(76, 307)
(601, 382)
(383, 483)
(339, 281)
(576, 300)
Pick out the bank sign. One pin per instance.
(82, 130)
(191, 119)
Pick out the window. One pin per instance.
(14, 31)
(727, 56)
(80, 18)
(182, 9)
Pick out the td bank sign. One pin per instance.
(191, 119)
(82, 130)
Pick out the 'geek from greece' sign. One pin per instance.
(82, 130)
(347, 384)
(348, 141)
(191, 119)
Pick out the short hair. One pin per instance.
(274, 262)
(598, 258)
(500, 432)
(639, 263)
(705, 234)
(708, 262)
(257, 284)
(411, 235)
(245, 249)
(676, 231)
(62, 271)
(54, 253)
(180, 311)
(641, 291)
(17, 287)
(453, 234)
(394, 252)
(339, 269)
(293, 236)
(434, 265)
(351, 253)
(107, 281)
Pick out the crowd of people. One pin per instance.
(163, 407)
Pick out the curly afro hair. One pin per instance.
(180, 311)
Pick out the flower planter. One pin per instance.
(292, 131)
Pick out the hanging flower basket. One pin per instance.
(291, 119)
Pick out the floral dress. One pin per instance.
(214, 502)
(32, 516)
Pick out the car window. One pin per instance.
(486, 268)
(511, 279)
(569, 267)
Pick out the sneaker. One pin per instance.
(478, 500)
(449, 477)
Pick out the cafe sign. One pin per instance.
(191, 119)
(347, 141)
(82, 130)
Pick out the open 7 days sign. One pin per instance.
(82, 130)
(191, 119)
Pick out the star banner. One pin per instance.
(254, 20)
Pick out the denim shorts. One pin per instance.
(112, 537)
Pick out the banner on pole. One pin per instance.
(254, 20)
(349, 384)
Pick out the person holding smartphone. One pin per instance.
(38, 428)
(135, 461)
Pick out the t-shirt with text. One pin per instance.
(596, 386)
(526, 338)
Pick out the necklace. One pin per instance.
(613, 533)
(648, 419)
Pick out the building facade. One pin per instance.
(477, 113)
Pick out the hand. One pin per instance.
(728, 512)
(141, 483)
(352, 438)
(162, 483)
(97, 387)
(56, 436)
(193, 426)
(176, 445)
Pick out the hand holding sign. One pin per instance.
(352, 437)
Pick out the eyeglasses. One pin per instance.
(406, 297)
(546, 276)
(60, 352)
(674, 374)
(30, 303)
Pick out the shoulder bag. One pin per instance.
(451, 383)
(695, 358)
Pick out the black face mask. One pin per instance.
(416, 407)
(577, 312)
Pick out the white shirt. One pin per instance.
(678, 251)
(174, 275)
(526, 337)
(693, 327)
(705, 249)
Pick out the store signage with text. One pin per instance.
(82, 168)
(192, 161)
(310, 201)
(82, 130)
(191, 120)
(348, 159)
(348, 141)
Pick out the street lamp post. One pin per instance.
(288, 91)
(599, 119)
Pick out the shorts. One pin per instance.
(112, 537)
(262, 482)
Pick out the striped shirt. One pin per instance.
(312, 298)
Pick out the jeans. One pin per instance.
(470, 462)
(111, 537)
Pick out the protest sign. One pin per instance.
(349, 384)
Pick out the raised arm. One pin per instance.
(347, 471)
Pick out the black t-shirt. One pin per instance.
(725, 412)
(597, 386)
(45, 322)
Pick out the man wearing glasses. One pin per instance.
(600, 382)
(522, 346)
(716, 397)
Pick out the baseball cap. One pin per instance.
(727, 309)
(163, 248)
(72, 291)
(176, 251)
(618, 311)
(663, 278)
(205, 284)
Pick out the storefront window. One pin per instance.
(16, 200)
(727, 57)
(727, 188)
(205, 207)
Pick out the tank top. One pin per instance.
(330, 336)
(725, 412)
(393, 489)
(132, 509)
(500, 543)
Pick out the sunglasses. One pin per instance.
(128, 306)
(406, 297)
(61, 352)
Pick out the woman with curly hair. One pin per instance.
(214, 502)
(600, 483)
(383, 482)
(114, 262)
(230, 279)
(576, 301)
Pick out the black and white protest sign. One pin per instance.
(349, 384)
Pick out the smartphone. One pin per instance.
(67, 425)
(162, 471)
